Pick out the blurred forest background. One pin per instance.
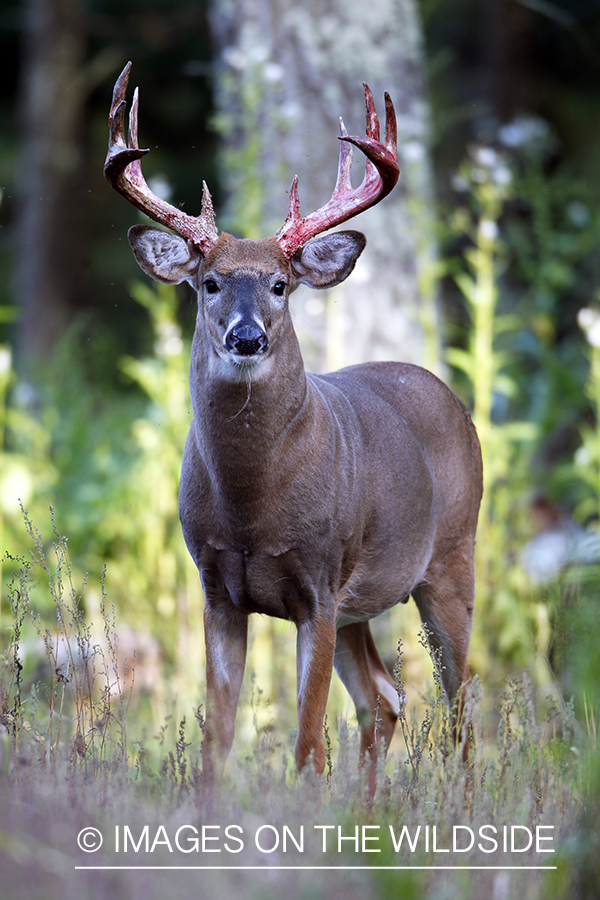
(483, 265)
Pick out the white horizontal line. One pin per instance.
(309, 868)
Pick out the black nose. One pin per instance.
(246, 340)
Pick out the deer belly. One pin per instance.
(364, 597)
(261, 583)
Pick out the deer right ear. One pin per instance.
(327, 260)
(164, 256)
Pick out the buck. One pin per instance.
(320, 499)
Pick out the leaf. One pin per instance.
(467, 285)
(462, 360)
(521, 431)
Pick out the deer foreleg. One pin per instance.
(314, 665)
(225, 634)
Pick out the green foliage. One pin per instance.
(110, 465)
(526, 256)
(584, 468)
(505, 616)
(526, 771)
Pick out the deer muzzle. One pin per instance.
(246, 339)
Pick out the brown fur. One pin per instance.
(324, 500)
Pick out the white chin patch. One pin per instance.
(245, 362)
(240, 368)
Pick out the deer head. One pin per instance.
(245, 284)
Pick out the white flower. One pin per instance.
(273, 72)
(588, 319)
(486, 156)
(524, 130)
(234, 58)
(259, 53)
(582, 456)
(488, 229)
(502, 174)
(529, 132)
(5, 359)
(578, 213)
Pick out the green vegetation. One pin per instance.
(102, 678)
(69, 756)
(112, 715)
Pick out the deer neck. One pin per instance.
(241, 420)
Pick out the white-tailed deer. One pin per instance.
(321, 499)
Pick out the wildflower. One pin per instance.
(273, 72)
(488, 229)
(529, 133)
(490, 167)
(588, 319)
(578, 213)
(485, 156)
(5, 359)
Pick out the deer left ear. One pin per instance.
(328, 260)
(164, 256)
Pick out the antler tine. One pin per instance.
(373, 131)
(294, 207)
(117, 109)
(119, 153)
(207, 213)
(123, 170)
(135, 167)
(133, 120)
(372, 118)
(343, 182)
(381, 174)
(391, 126)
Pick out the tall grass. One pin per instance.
(79, 704)
(76, 750)
(75, 757)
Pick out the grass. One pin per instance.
(74, 757)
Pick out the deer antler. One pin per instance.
(381, 174)
(123, 170)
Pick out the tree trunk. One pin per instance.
(286, 73)
(48, 227)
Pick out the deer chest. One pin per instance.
(277, 586)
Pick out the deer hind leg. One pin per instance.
(445, 602)
(368, 682)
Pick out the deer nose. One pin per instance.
(246, 340)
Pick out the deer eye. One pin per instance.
(279, 288)
(211, 286)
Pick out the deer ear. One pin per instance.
(164, 256)
(327, 260)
